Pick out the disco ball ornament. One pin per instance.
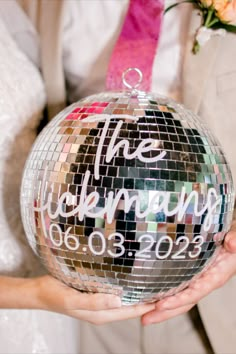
(126, 193)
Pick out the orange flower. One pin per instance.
(226, 10)
(207, 3)
(220, 4)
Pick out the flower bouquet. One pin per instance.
(218, 17)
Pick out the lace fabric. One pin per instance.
(22, 98)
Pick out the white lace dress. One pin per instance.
(22, 99)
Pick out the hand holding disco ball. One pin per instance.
(215, 277)
(127, 193)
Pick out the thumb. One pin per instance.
(230, 242)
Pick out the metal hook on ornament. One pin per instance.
(124, 78)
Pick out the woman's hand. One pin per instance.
(223, 268)
(47, 293)
(95, 308)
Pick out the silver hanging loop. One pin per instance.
(124, 78)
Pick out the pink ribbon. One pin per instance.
(137, 44)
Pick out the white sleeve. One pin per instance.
(22, 99)
(20, 29)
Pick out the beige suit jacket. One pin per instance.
(209, 89)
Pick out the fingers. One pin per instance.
(230, 240)
(128, 312)
(107, 316)
(92, 302)
(75, 300)
(192, 295)
(95, 308)
(187, 297)
(156, 316)
(214, 277)
(56, 296)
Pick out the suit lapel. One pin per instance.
(197, 70)
(197, 67)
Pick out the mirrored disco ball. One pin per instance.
(126, 193)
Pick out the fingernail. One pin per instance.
(230, 242)
(114, 302)
(233, 243)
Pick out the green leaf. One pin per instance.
(196, 47)
(230, 28)
(179, 3)
(226, 26)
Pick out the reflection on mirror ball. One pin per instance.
(126, 193)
